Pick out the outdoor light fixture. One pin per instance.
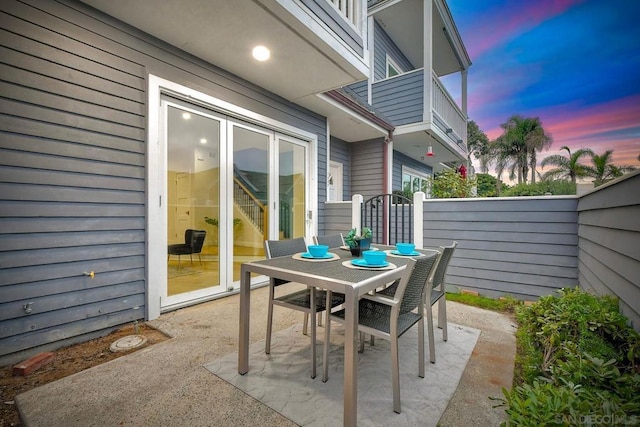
(203, 140)
(186, 116)
(430, 151)
(261, 53)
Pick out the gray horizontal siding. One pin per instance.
(524, 247)
(367, 175)
(73, 97)
(72, 189)
(338, 217)
(361, 89)
(400, 98)
(609, 243)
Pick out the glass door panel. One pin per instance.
(193, 203)
(250, 201)
(292, 194)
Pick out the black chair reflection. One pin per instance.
(193, 241)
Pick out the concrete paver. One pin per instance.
(166, 384)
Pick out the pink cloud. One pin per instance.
(600, 127)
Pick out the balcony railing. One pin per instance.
(400, 98)
(445, 107)
(350, 9)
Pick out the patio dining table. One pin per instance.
(331, 275)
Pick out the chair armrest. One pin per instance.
(382, 299)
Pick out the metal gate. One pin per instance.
(390, 218)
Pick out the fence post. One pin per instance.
(356, 212)
(418, 217)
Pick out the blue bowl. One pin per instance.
(318, 251)
(405, 248)
(374, 257)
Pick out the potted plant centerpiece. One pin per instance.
(358, 242)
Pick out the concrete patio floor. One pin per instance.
(166, 384)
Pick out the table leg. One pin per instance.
(245, 309)
(350, 359)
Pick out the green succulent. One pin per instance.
(352, 237)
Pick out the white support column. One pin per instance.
(418, 219)
(464, 102)
(371, 43)
(356, 208)
(427, 36)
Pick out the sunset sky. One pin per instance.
(575, 64)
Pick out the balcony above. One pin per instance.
(401, 99)
(315, 46)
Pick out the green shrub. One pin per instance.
(578, 361)
(555, 188)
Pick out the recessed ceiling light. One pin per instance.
(261, 53)
(186, 116)
(203, 141)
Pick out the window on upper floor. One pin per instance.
(393, 69)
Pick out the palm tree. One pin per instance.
(537, 139)
(604, 170)
(523, 138)
(568, 167)
(514, 147)
(499, 155)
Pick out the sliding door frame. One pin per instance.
(156, 167)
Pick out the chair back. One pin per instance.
(195, 239)
(331, 240)
(276, 248)
(412, 293)
(443, 264)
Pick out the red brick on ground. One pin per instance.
(33, 363)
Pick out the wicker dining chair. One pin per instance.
(435, 293)
(297, 300)
(390, 317)
(331, 240)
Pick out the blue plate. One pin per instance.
(414, 253)
(360, 262)
(309, 256)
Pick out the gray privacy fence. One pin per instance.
(528, 247)
(609, 243)
(521, 246)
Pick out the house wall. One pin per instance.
(367, 172)
(399, 160)
(609, 243)
(383, 46)
(73, 167)
(341, 153)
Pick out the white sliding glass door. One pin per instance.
(225, 187)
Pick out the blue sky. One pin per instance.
(575, 64)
